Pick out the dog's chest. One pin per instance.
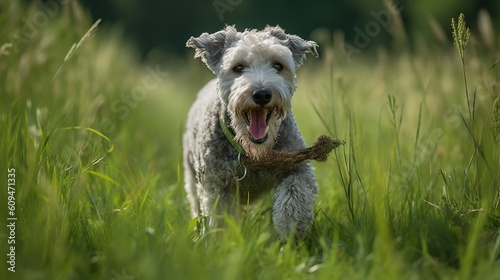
(257, 182)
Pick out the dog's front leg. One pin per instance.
(293, 202)
(214, 202)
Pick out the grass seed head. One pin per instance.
(461, 34)
(496, 118)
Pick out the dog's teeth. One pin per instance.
(267, 129)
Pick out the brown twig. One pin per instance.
(288, 160)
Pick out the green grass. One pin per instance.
(413, 194)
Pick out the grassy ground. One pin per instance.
(95, 141)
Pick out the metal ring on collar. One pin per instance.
(244, 168)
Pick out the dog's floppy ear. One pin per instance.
(298, 46)
(210, 47)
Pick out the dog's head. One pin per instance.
(255, 77)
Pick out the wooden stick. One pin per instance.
(288, 160)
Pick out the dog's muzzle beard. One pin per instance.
(256, 115)
(257, 129)
(263, 106)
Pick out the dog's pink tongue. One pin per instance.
(258, 124)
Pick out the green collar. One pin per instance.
(230, 136)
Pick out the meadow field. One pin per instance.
(91, 167)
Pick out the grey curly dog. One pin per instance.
(246, 112)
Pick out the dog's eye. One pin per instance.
(238, 68)
(278, 66)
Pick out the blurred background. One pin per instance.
(159, 27)
(92, 115)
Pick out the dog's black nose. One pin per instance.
(262, 96)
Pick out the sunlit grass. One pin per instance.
(414, 193)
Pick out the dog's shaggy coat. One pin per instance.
(251, 95)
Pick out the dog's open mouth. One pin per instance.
(257, 120)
